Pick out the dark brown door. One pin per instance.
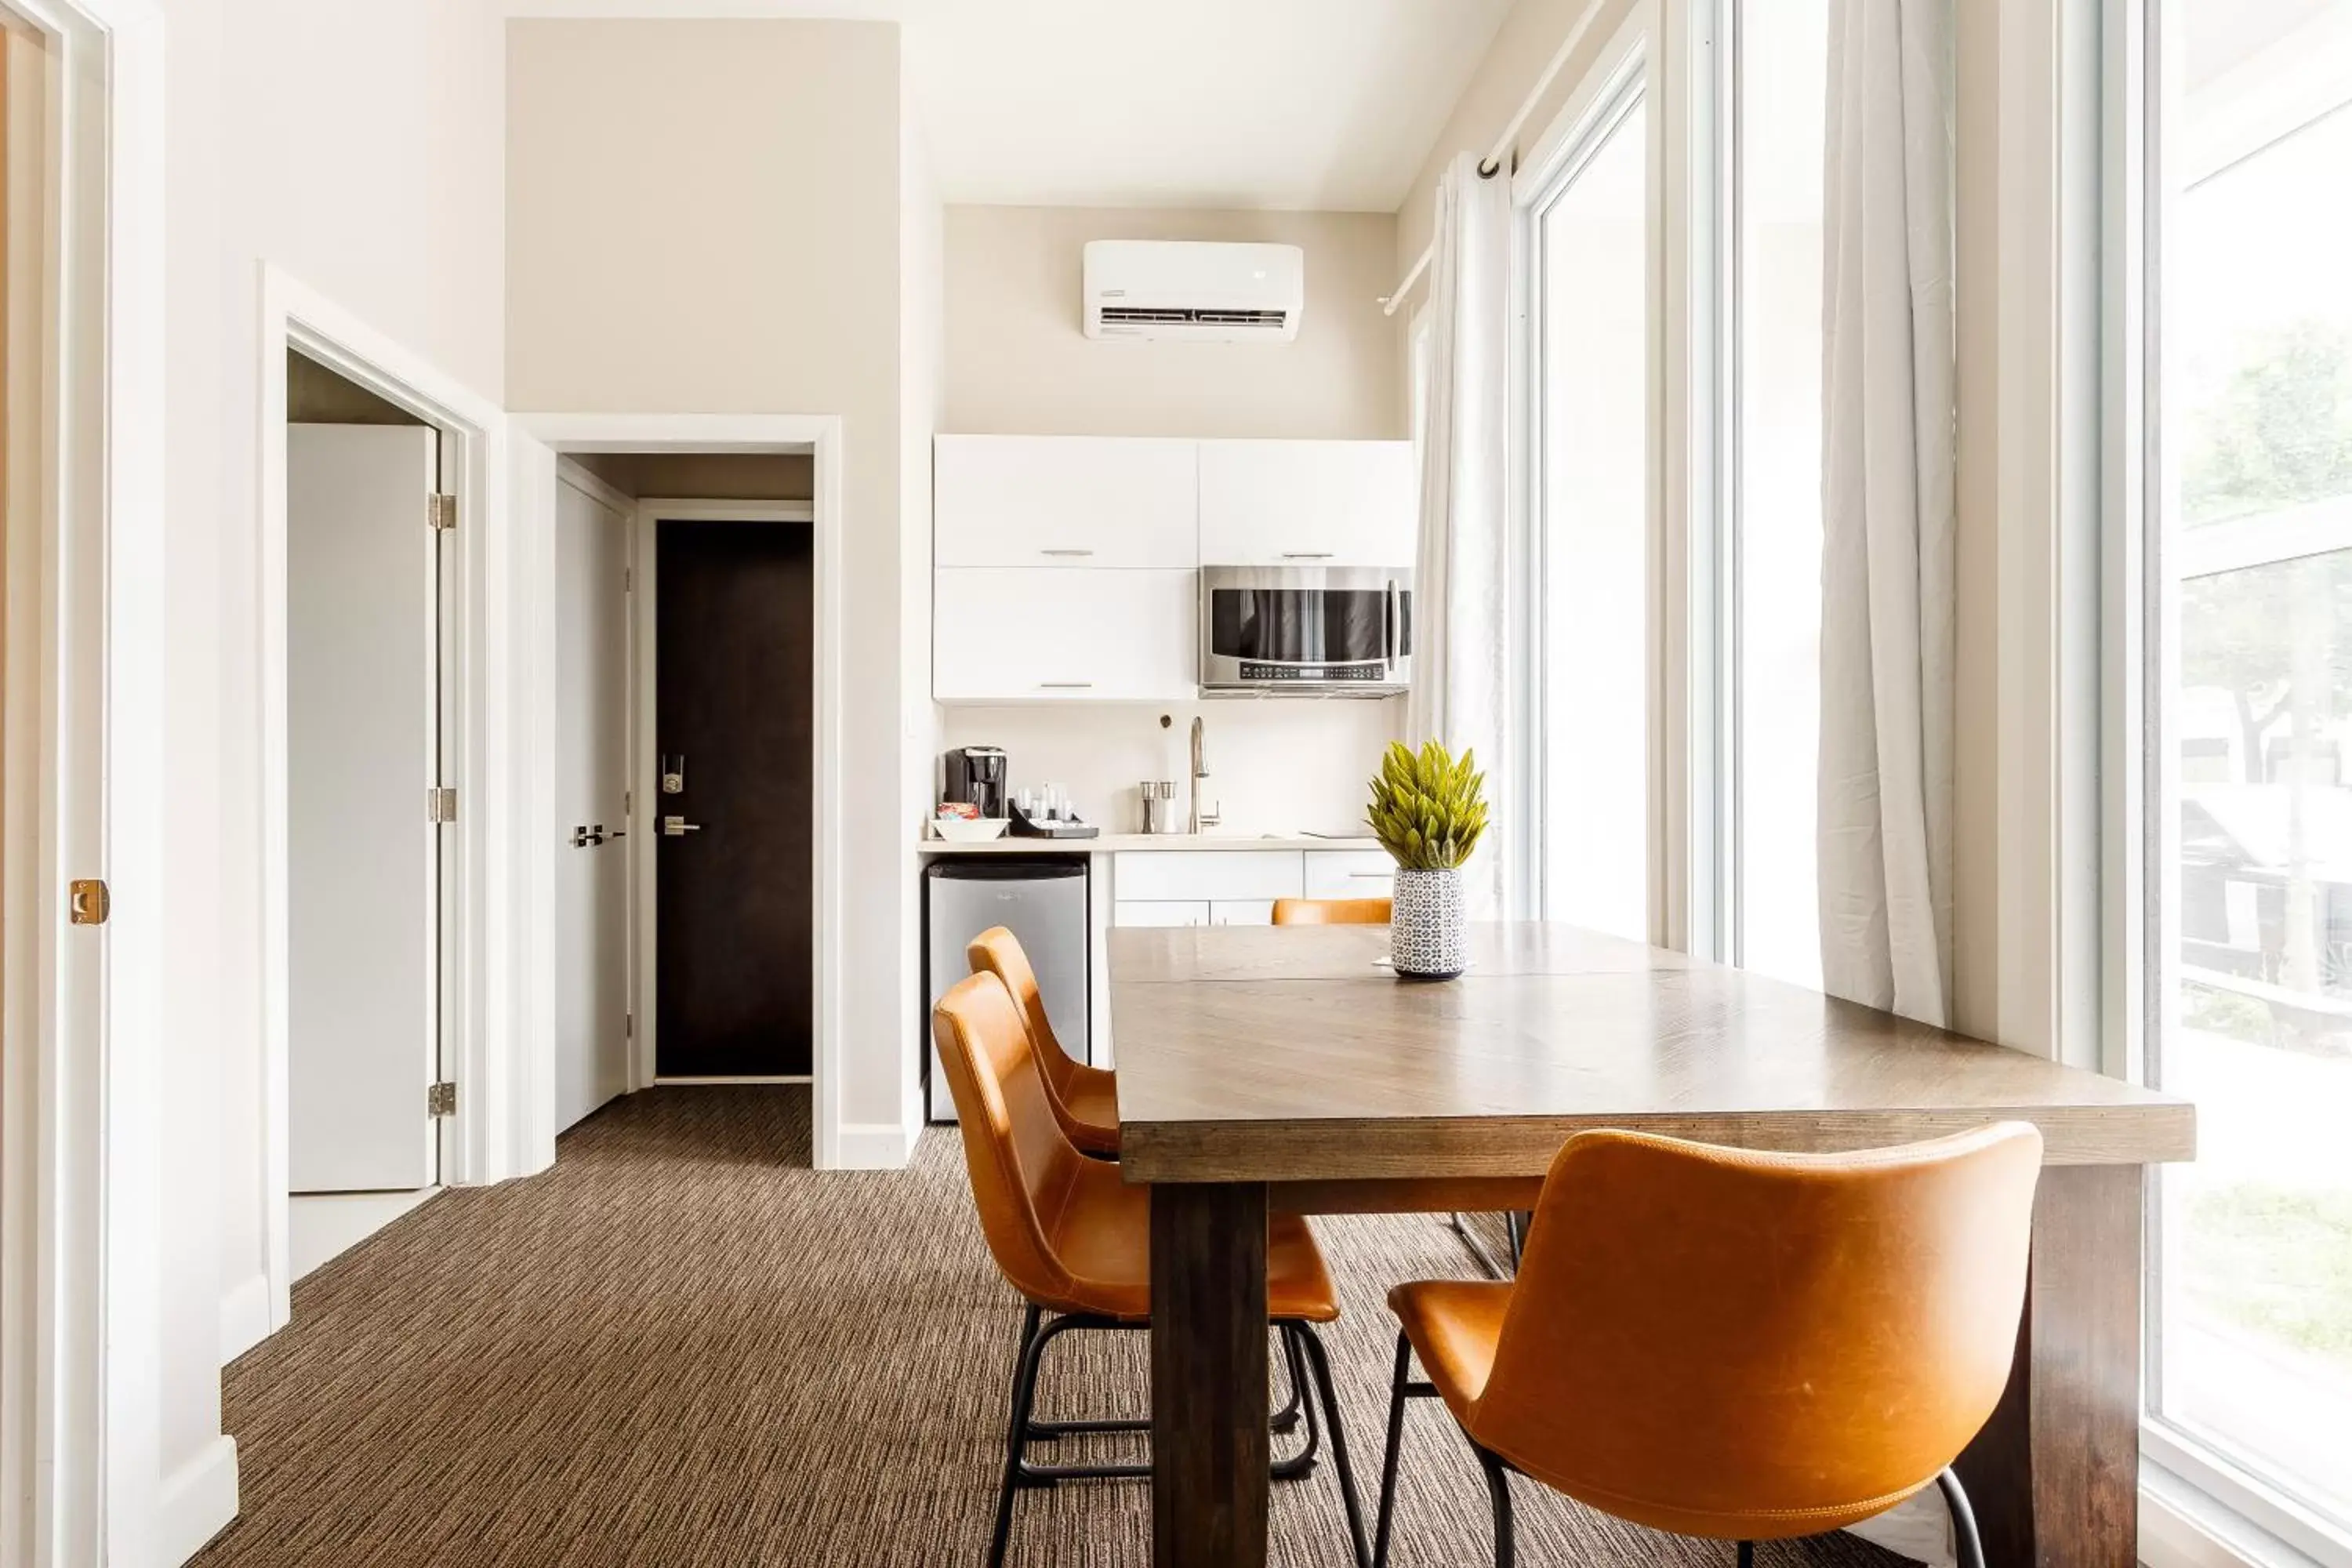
(733, 711)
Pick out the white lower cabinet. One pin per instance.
(1237, 887)
(1159, 912)
(1349, 874)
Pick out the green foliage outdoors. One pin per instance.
(2276, 1260)
(1428, 809)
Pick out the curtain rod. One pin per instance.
(1492, 164)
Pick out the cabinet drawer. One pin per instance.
(1308, 503)
(1033, 635)
(1222, 875)
(1067, 501)
(1349, 874)
(1242, 912)
(1159, 912)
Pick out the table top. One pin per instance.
(1275, 1054)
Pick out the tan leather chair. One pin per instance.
(1332, 912)
(1736, 1345)
(1074, 1238)
(1085, 1099)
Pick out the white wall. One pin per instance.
(760, 272)
(358, 144)
(1019, 362)
(1277, 765)
(921, 389)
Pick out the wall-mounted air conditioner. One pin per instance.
(1194, 291)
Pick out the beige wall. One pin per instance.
(1018, 362)
(703, 476)
(757, 271)
(358, 145)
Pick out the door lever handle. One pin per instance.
(678, 827)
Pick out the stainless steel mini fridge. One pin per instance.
(1043, 901)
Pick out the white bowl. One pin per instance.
(967, 830)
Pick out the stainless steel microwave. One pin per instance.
(1309, 630)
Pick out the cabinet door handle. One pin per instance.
(1308, 554)
(1066, 686)
(1065, 553)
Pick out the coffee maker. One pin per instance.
(979, 774)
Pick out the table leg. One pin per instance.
(1209, 1443)
(2054, 1476)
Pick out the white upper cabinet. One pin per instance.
(1307, 503)
(1065, 500)
(1065, 634)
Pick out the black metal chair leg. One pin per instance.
(1515, 1225)
(1498, 1485)
(1746, 1555)
(1302, 1462)
(1966, 1544)
(1478, 1253)
(1320, 1364)
(1286, 1418)
(1389, 1459)
(1024, 1394)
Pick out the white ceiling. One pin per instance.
(1314, 104)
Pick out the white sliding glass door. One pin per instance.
(2250, 1382)
(1590, 268)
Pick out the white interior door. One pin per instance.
(591, 767)
(363, 878)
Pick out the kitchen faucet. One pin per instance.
(1200, 772)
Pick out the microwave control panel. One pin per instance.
(1374, 670)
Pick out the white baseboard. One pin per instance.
(244, 1316)
(198, 1501)
(873, 1146)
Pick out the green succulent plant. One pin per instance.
(1427, 808)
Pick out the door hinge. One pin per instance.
(440, 805)
(628, 801)
(88, 902)
(441, 1100)
(628, 580)
(629, 1026)
(441, 513)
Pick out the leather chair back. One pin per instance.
(1332, 912)
(1021, 1165)
(999, 952)
(1745, 1346)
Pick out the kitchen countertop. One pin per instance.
(1122, 843)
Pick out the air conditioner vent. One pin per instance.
(1162, 316)
(1194, 291)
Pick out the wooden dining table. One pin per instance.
(1265, 1070)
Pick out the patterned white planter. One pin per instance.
(1425, 925)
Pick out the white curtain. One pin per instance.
(1887, 509)
(1460, 625)
(1886, 545)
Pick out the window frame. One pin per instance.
(1625, 73)
(2140, 651)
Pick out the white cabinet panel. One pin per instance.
(1307, 503)
(1349, 874)
(1223, 874)
(1159, 912)
(1247, 912)
(1045, 500)
(1066, 634)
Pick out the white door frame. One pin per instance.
(476, 1144)
(646, 766)
(80, 1235)
(534, 697)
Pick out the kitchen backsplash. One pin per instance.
(1275, 765)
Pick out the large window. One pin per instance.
(1778, 128)
(1590, 268)
(2251, 402)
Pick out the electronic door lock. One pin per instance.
(673, 774)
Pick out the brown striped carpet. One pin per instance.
(681, 1346)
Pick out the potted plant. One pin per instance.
(1428, 810)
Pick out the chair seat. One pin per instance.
(1103, 1235)
(1453, 1325)
(1089, 1108)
